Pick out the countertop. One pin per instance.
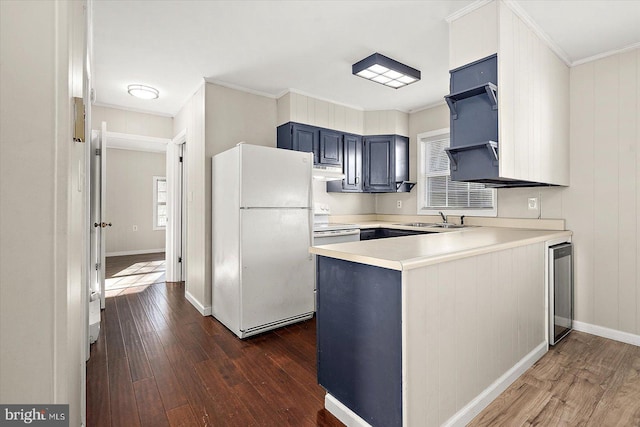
(409, 252)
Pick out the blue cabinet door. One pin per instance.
(330, 148)
(305, 138)
(379, 163)
(352, 163)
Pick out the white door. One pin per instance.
(272, 177)
(175, 206)
(277, 269)
(98, 214)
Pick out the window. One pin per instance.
(159, 202)
(436, 191)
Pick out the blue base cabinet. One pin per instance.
(359, 324)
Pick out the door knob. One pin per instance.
(102, 224)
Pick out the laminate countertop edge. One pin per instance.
(411, 252)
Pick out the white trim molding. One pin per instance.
(125, 141)
(605, 54)
(466, 10)
(481, 401)
(205, 311)
(522, 14)
(135, 252)
(344, 414)
(603, 332)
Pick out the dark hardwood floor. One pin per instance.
(158, 362)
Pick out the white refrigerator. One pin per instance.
(262, 227)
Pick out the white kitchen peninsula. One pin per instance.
(428, 329)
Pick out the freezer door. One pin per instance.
(277, 269)
(273, 177)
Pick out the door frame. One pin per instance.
(176, 221)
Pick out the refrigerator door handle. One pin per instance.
(310, 231)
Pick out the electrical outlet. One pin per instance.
(533, 203)
(135, 228)
(399, 204)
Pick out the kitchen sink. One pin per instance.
(417, 224)
(448, 225)
(432, 224)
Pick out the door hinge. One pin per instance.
(180, 159)
(98, 152)
(179, 259)
(97, 267)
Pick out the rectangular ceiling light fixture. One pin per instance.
(386, 71)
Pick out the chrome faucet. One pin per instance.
(444, 217)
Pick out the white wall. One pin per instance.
(295, 107)
(132, 122)
(129, 201)
(41, 207)
(601, 205)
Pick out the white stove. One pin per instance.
(325, 232)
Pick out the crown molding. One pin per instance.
(240, 88)
(125, 141)
(605, 54)
(428, 106)
(319, 98)
(133, 110)
(466, 10)
(522, 14)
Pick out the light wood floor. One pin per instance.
(583, 381)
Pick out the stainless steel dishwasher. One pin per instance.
(560, 291)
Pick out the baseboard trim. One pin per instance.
(136, 252)
(603, 332)
(473, 408)
(344, 414)
(205, 311)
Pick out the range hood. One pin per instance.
(327, 173)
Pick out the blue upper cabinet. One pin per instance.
(325, 144)
(330, 152)
(386, 162)
(371, 164)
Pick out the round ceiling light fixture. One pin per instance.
(143, 92)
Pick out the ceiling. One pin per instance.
(270, 47)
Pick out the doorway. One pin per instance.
(133, 203)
